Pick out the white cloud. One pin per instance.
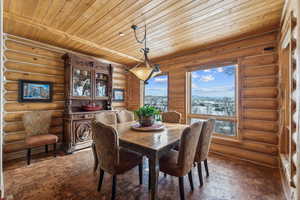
(207, 70)
(207, 78)
(194, 75)
(220, 69)
(194, 86)
(160, 79)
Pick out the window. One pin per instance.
(156, 92)
(213, 95)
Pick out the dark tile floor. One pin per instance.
(71, 177)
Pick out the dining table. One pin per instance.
(152, 144)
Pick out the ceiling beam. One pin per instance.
(64, 35)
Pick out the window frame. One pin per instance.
(168, 91)
(234, 119)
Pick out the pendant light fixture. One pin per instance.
(146, 69)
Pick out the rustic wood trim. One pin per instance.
(223, 118)
(2, 190)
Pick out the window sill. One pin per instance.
(226, 139)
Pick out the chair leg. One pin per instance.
(141, 173)
(181, 188)
(206, 167)
(96, 160)
(46, 148)
(200, 174)
(149, 179)
(28, 156)
(54, 149)
(191, 180)
(100, 180)
(114, 185)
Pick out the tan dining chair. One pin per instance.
(171, 117)
(203, 147)
(37, 126)
(125, 116)
(108, 118)
(113, 159)
(180, 163)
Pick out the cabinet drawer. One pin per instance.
(83, 116)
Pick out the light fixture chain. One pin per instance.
(135, 35)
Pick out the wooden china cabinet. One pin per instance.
(88, 90)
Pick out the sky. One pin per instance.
(157, 86)
(213, 82)
(205, 83)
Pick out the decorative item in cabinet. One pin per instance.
(81, 83)
(88, 90)
(101, 84)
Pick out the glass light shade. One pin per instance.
(142, 72)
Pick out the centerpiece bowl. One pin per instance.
(154, 127)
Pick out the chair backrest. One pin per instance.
(125, 116)
(107, 117)
(205, 140)
(188, 146)
(37, 122)
(106, 140)
(171, 117)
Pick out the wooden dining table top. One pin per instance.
(154, 140)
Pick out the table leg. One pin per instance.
(154, 170)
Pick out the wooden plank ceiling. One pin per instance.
(174, 26)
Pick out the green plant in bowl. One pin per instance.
(146, 115)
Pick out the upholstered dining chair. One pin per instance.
(125, 116)
(37, 126)
(180, 163)
(171, 117)
(108, 118)
(203, 147)
(113, 159)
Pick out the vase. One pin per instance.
(146, 121)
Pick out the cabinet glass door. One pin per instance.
(101, 84)
(81, 83)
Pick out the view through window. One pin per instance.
(213, 95)
(156, 92)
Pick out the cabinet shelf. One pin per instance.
(102, 97)
(101, 79)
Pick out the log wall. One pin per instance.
(29, 60)
(289, 57)
(257, 117)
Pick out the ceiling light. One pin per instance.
(146, 69)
